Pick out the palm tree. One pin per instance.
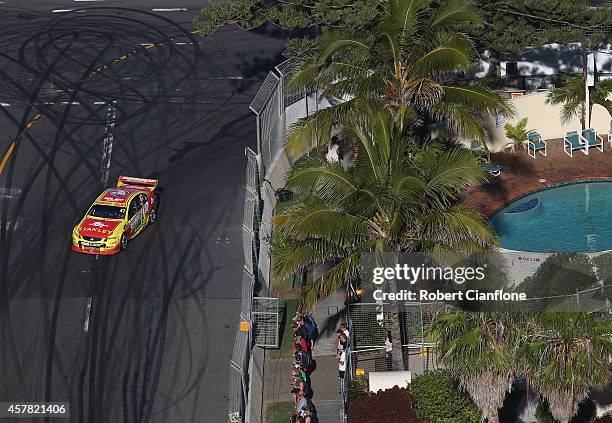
(517, 133)
(393, 199)
(479, 350)
(413, 59)
(565, 356)
(572, 95)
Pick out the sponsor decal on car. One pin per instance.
(99, 224)
(118, 193)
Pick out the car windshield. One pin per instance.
(107, 212)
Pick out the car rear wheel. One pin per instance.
(124, 241)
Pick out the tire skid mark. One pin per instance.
(155, 364)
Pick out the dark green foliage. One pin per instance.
(358, 15)
(511, 25)
(586, 413)
(604, 268)
(560, 274)
(358, 389)
(516, 24)
(437, 396)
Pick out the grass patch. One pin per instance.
(287, 311)
(278, 412)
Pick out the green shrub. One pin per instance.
(437, 397)
(561, 274)
(604, 268)
(358, 388)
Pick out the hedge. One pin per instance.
(437, 397)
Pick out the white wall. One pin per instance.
(545, 118)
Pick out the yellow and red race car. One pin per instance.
(116, 216)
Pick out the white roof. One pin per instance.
(552, 59)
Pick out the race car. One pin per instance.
(116, 216)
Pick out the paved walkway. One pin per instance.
(523, 174)
(328, 314)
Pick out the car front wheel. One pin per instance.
(152, 216)
(124, 241)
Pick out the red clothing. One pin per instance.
(304, 345)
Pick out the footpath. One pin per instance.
(328, 314)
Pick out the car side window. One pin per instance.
(134, 207)
(143, 199)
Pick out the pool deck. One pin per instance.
(523, 174)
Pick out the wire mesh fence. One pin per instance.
(265, 235)
(265, 321)
(239, 380)
(250, 219)
(260, 314)
(267, 106)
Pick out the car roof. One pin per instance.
(118, 196)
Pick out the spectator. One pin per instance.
(311, 328)
(341, 358)
(342, 341)
(310, 415)
(299, 328)
(389, 351)
(302, 403)
(301, 343)
(345, 331)
(332, 154)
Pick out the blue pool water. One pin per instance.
(570, 218)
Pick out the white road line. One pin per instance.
(107, 148)
(99, 102)
(227, 77)
(87, 314)
(67, 10)
(70, 102)
(5, 104)
(173, 9)
(9, 193)
(87, 0)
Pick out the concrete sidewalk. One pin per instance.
(328, 314)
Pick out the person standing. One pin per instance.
(389, 351)
(341, 358)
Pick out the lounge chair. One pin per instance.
(610, 135)
(535, 143)
(493, 168)
(572, 142)
(591, 139)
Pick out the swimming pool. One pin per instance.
(569, 218)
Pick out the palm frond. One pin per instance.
(454, 12)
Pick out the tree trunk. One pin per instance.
(395, 328)
(494, 417)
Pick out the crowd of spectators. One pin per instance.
(305, 335)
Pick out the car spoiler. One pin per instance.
(149, 184)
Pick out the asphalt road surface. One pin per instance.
(89, 91)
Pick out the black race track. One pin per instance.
(163, 313)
